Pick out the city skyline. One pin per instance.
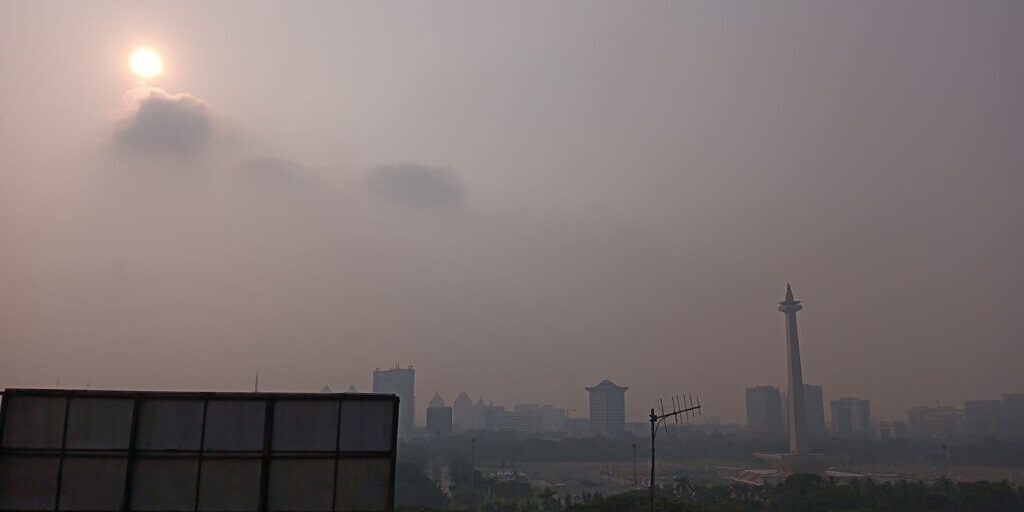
(519, 200)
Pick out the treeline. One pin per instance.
(496, 448)
(812, 493)
(799, 493)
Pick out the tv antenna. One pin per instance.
(680, 407)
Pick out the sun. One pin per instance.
(146, 63)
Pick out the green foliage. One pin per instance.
(812, 493)
(413, 488)
(496, 448)
(471, 490)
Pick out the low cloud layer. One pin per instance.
(417, 185)
(162, 123)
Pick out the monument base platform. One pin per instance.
(790, 463)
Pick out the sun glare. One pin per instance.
(146, 63)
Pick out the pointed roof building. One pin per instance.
(436, 402)
(465, 415)
(439, 416)
(607, 408)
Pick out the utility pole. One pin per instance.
(472, 470)
(682, 407)
(636, 479)
(945, 461)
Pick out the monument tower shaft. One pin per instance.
(798, 442)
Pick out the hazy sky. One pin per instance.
(518, 198)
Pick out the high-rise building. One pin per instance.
(464, 413)
(607, 408)
(851, 417)
(577, 427)
(401, 382)
(941, 421)
(522, 417)
(552, 419)
(1013, 413)
(814, 402)
(764, 411)
(814, 406)
(982, 417)
(439, 416)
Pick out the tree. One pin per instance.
(413, 488)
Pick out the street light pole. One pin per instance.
(636, 480)
(472, 470)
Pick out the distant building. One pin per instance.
(518, 420)
(552, 419)
(401, 382)
(938, 422)
(639, 428)
(548, 417)
(814, 409)
(851, 417)
(764, 411)
(892, 430)
(607, 408)
(714, 425)
(439, 416)
(490, 415)
(982, 417)
(522, 418)
(814, 404)
(577, 427)
(464, 414)
(1013, 413)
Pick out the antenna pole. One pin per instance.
(654, 427)
(656, 420)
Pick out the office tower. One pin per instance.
(439, 416)
(552, 419)
(982, 417)
(1013, 413)
(764, 411)
(851, 417)
(939, 422)
(607, 408)
(401, 382)
(464, 413)
(815, 404)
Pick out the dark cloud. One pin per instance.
(163, 123)
(417, 185)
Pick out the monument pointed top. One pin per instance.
(789, 303)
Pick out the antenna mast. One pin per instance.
(656, 420)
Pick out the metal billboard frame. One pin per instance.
(265, 455)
